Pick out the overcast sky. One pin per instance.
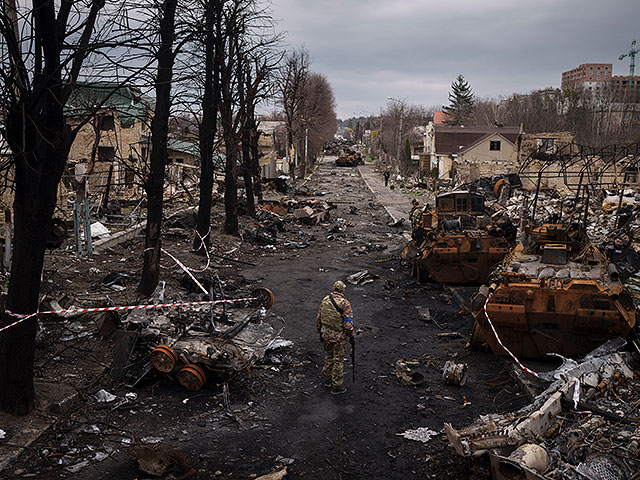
(414, 49)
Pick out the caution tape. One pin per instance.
(186, 269)
(528, 370)
(576, 387)
(26, 316)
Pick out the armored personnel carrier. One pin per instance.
(554, 293)
(458, 243)
(350, 158)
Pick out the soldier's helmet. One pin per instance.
(339, 286)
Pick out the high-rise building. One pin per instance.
(589, 75)
(597, 76)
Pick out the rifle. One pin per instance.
(353, 358)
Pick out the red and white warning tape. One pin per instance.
(25, 316)
(528, 370)
(187, 269)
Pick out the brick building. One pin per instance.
(597, 76)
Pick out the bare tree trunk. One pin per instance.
(208, 126)
(255, 156)
(159, 132)
(231, 189)
(247, 170)
(38, 173)
(40, 141)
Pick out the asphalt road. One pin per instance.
(281, 414)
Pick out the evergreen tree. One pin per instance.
(405, 165)
(460, 109)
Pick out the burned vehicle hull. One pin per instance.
(562, 297)
(467, 258)
(450, 245)
(350, 159)
(190, 355)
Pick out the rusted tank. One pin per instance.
(458, 243)
(554, 293)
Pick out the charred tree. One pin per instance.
(209, 124)
(40, 139)
(159, 132)
(291, 84)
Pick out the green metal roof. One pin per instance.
(128, 101)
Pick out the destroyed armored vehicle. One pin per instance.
(350, 158)
(219, 340)
(458, 243)
(554, 293)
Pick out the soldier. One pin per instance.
(334, 323)
(416, 213)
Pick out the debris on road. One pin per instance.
(162, 462)
(585, 421)
(455, 373)
(277, 475)
(408, 372)
(362, 278)
(421, 434)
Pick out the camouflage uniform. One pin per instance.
(415, 215)
(334, 329)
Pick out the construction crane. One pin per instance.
(632, 56)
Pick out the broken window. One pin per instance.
(547, 145)
(495, 145)
(106, 154)
(461, 204)
(106, 122)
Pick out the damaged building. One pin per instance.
(464, 153)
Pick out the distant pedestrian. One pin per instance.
(386, 175)
(334, 323)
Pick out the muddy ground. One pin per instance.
(281, 414)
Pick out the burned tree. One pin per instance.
(154, 183)
(42, 56)
(247, 36)
(213, 50)
(291, 84)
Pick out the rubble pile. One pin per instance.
(584, 426)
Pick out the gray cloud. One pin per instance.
(413, 49)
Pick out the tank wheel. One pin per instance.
(263, 298)
(164, 358)
(478, 339)
(192, 377)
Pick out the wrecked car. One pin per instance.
(458, 243)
